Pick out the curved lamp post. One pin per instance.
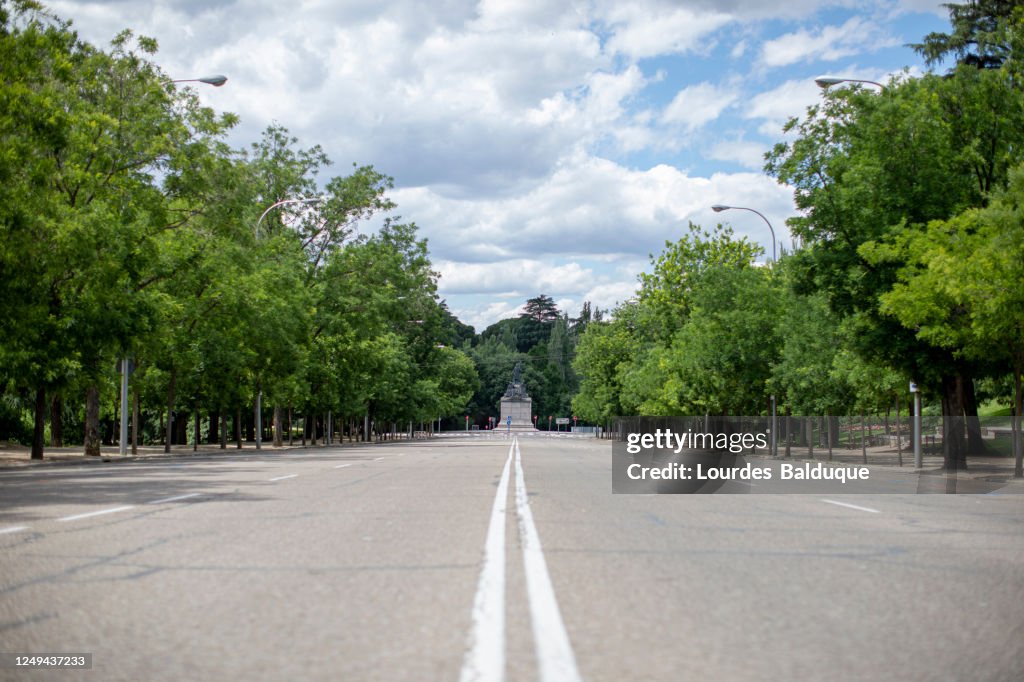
(215, 81)
(259, 389)
(718, 208)
(829, 81)
(312, 200)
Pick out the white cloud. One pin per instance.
(528, 139)
(779, 104)
(647, 29)
(696, 105)
(830, 43)
(745, 153)
(524, 276)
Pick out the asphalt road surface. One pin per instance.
(487, 558)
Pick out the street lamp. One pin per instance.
(311, 200)
(718, 208)
(259, 389)
(829, 81)
(215, 81)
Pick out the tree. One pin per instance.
(870, 169)
(978, 38)
(960, 285)
(85, 132)
(665, 293)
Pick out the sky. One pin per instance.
(541, 146)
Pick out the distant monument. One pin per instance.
(516, 403)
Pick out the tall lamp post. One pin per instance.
(215, 81)
(259, 388)
(829, 81)
(718, 208)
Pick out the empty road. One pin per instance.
(485, 558)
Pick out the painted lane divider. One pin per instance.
(342, 466)
(281, 478)
(12, 529)
(852, 506)
(76, 517)
(175, 498)
(555, 657)
(485, 659)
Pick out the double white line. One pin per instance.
(485, 660)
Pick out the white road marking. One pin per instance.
(485, 659)
(555, 658)
(97, 513)
(852, 506)
(12, 529)
(342, 466)
(281, 478)
(378, 459)
(175, 498)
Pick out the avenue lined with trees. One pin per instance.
(132, 229)
(908, 264)
(252, 308)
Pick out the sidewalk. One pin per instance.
(12, 456)
(987, 468)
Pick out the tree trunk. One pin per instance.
(863, 441)
(278, 436)
(195, 429)
(1018, 403)
(954, 455)
(975, 444)
(135, 421)
(223, 428)
(39, 427)
(169, 439)
(829, 424)
(810, 436)
(290, 426)
(250, 427)
(899, 436)
(92, 421)
(238, 427)
(181, 428)
(213, 436)
(56, 421)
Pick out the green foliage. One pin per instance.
(129, 227)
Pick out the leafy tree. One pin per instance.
(978, 38)
(665, 293)
(872, 169)
(959, 284)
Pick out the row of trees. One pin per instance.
(130, 228)
(910, 266)
(543, 339)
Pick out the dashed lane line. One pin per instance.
(852, 506)
(175, 498)
(112, 510)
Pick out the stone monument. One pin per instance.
(516, 403)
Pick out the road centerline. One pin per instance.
(555, 657)
(485, 658)
(281, 478)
